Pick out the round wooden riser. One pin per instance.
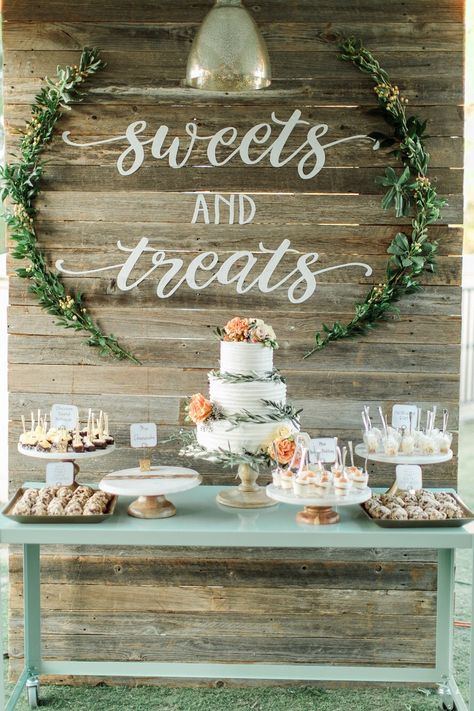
(318, 515)
(152, 507)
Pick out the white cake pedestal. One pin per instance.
(248, 495)
(151, 488)
(318, 510)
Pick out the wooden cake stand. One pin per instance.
(318, 511)
(151, 488)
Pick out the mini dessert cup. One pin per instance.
(342, 485)
(360, 480)
(301, 485)
(276, 477)
(390, 446)
(286, 480)
(371, 441)
(444, 440)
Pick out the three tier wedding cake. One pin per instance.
(246, 410)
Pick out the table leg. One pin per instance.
(32, 607)
(445, 614)
(471, 662)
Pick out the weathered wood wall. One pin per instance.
(86, 207)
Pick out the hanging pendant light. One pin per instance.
(228, 52)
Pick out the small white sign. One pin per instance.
(409, 477)
(64, 416)
(401, 416)
(59, 473)
(327, 447)
(143, 434)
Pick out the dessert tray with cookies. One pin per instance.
(422, 508)
(60, 504)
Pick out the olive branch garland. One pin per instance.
(21, 183)
(411, 253)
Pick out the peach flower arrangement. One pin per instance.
(199, 408)
(248, 330)
(284, 448)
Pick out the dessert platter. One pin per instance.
(406, 445)
(60, 504)
(151, 487)
(42, 441)
(318, 488)
(422, 508)
(246, 410)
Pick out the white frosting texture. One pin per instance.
(246, 358)
(235, 397)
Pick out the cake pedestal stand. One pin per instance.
(248, 495)
(151, 488)
(420, 459)
(72, 457)
(318, 511)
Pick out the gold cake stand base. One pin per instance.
(152, 507)
(248, 495)
(317, 515)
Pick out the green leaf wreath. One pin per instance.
(408, 191)
(21, 183)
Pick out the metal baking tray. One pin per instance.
(414, 523)
(92, 518)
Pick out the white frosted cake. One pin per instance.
(240, 414)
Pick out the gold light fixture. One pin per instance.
(228, 52)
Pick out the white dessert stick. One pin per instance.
(367, 414)
(418, 418)
(338, 457)
(364, 421)
(435, 407)
(106, 425)
(39, 417)
(384, 423)
(344, 457)
(445, 420)
(89, 422)
(304, 456)
(351, 452)
(32, 421)
(410, 420)
(23, 423)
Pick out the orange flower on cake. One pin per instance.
(199, 408)
(285, 449)
(237, 329)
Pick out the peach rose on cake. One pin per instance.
(199, 408)
(285, 449)
(237, 329)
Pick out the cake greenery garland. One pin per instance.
(191, 448)
(272, 376)
(21, 183)
(409, 190)
(277, 413)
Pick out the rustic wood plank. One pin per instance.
(445, 152)
(239, 179)
(266, 11)
(187, 625)
(284, 35)
(424, 91)
(188, 354)
(268, 649)
(179, 207)
(354, 239)
(136, 68)
(146, 598)
(360, 575)
(164, 323)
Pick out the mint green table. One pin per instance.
(201, 522)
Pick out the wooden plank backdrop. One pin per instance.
(231, 605)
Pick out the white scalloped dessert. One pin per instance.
(254, 363)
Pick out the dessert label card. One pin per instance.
(60, 473)
(64, 416)
(409, 477)
(401, 415)
(325, 445)
(143, 434)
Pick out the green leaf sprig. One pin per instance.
(408, 192)
(21, 184)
